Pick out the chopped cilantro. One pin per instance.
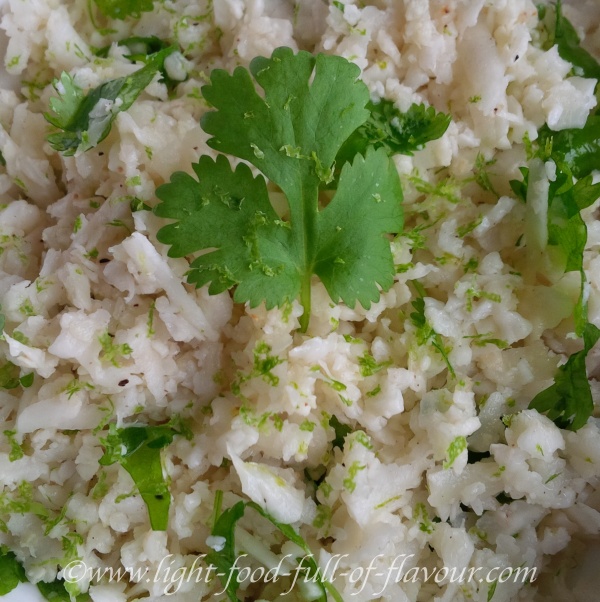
(481, 175)
(369, 365)
(264, 363)
(11, 571)
(567, 41)
(265, 257)
(77, 224)
(18, 336)
(224, 560)
(353, 470)
(362, 438)
(85, 120)
(27, 380)
(139, 205)
(568, 402)
(421, 516)
(9, 376)
(139, 47)
(76, 385)
(150, 321)
(458, 445)
(16, 451)
(112, 351)
(481, 340)
(445, 189)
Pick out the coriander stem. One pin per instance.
(305, 301)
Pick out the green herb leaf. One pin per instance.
(111, 351)
(121, 9)
(16, 451)
(11, 571)
(577, 148)
(141, 49)
(292, 136)
(87, 119)
(56, 591)
(137, 448)
(224, 560)
(567, 40)
(396, 132)
(481, 175)
(9, 376)
(341, 430)
(568, 402)
(27, 380)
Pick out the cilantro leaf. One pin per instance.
(85, 120)
(567, 40)
(121, 9)
(137, 449)
(568, 402)
(578, 148)
(396, 131)
(292, 136)
(11, 571)
(139, 47)
(519, 187)
(224, 559)
(566, 228)
(341, 430)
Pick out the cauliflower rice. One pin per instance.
(78, 263)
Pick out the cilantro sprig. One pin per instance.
(292, 134)
(137, 449)
(86, 119)
(576, 154)
(568, 402)
(225, 559)
(11, 571)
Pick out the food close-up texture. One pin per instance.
(299, 300)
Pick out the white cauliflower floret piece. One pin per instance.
(535, 433)
(271, 489)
